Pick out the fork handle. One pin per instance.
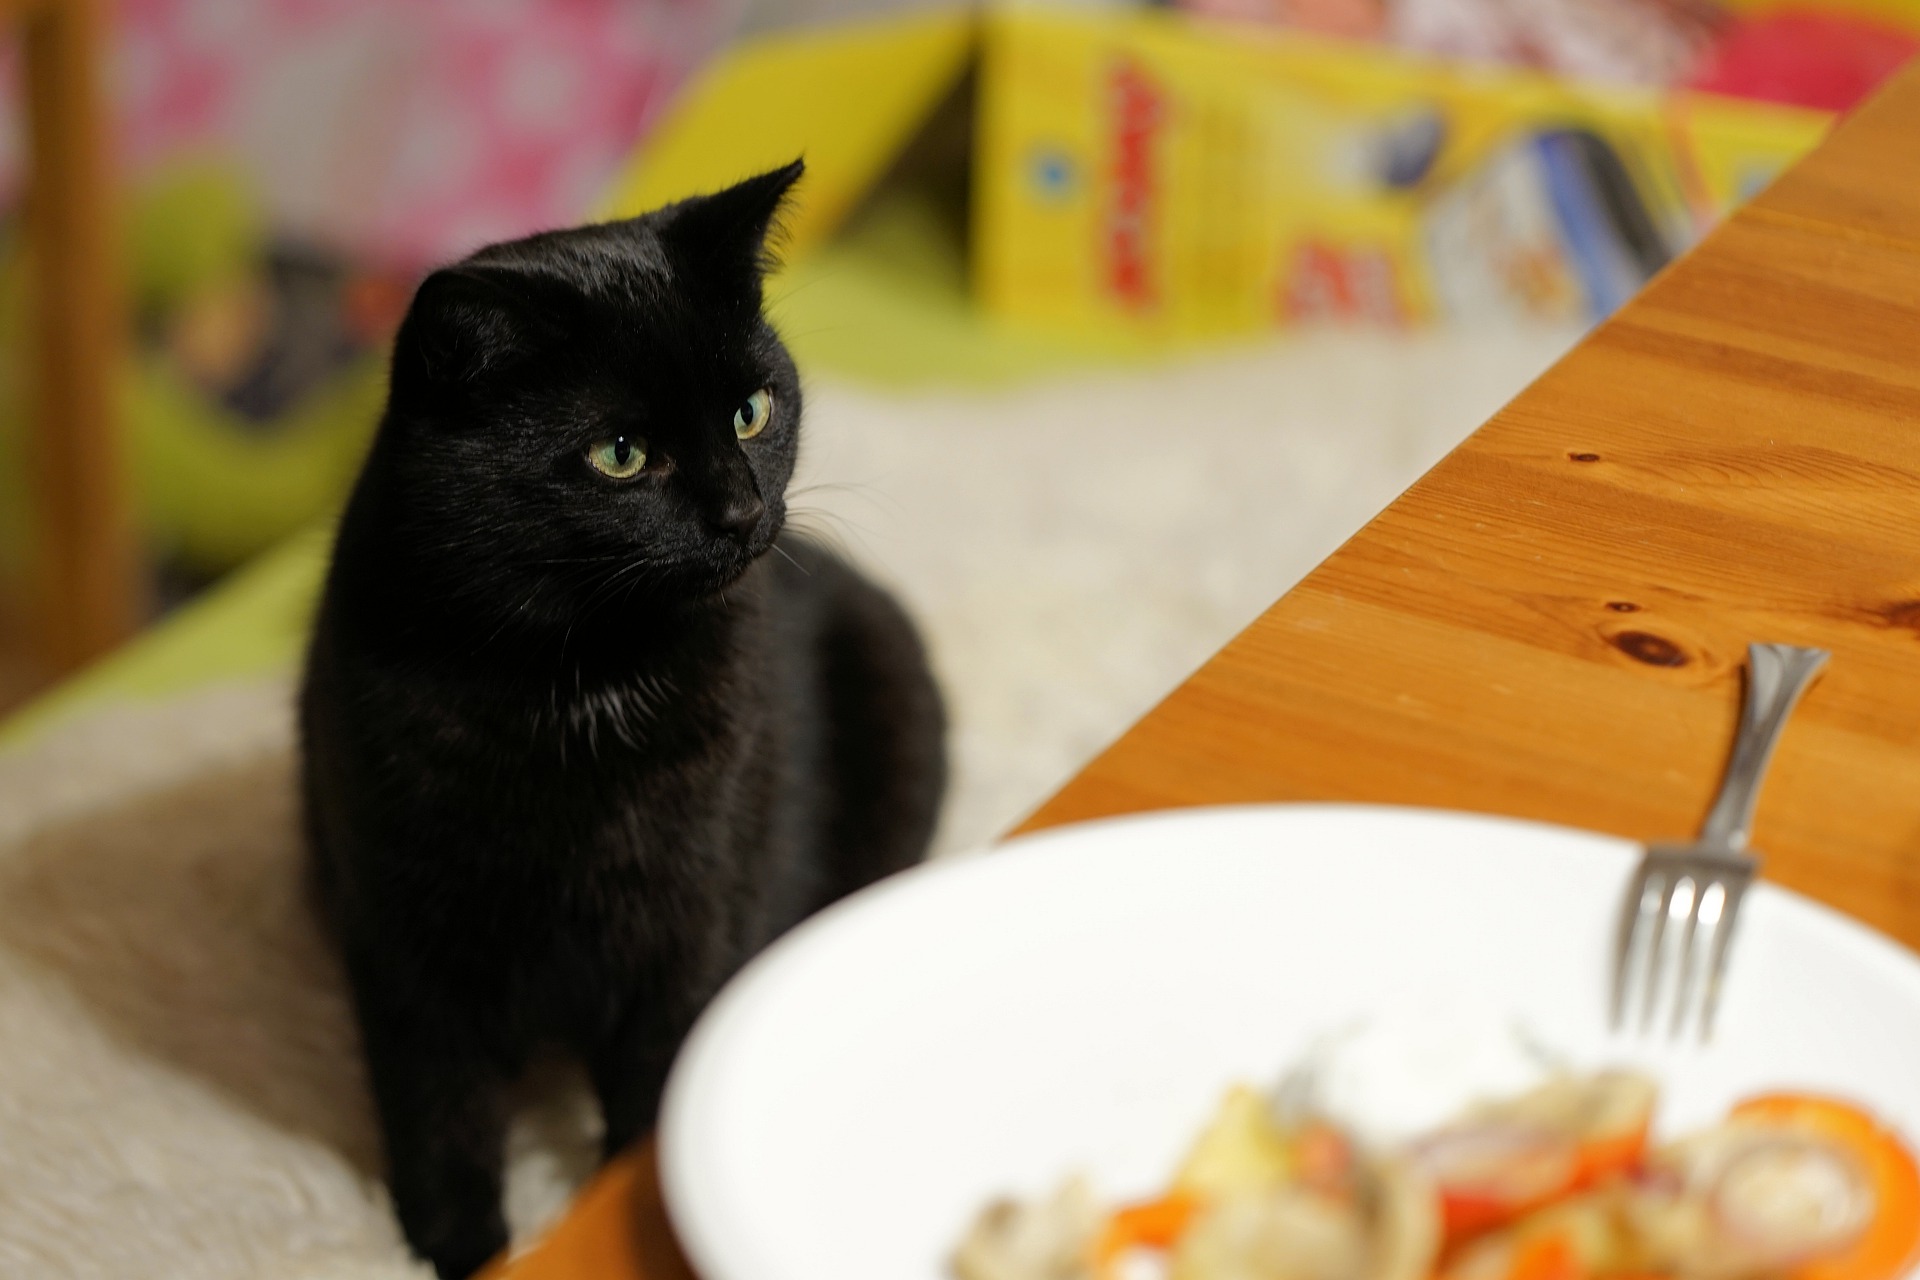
(1777, 674)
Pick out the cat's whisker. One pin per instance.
(876, 496)
(830, 513)
(827, 538)
(609, 558)
(632, 575)
(512, 616)
(774, 546)
(830, 527)
(825, 486)
(819, 329)
(790, 290)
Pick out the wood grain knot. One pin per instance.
(1644, 646)
(1623, 606)
(1899, 613)
(1584, 457)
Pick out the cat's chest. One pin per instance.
(609, 763)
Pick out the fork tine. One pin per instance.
(1735, 888)
(1701, 887)
(1631, 910)
(1656, 952)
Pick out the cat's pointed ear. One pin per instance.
(465, 322)
(728, 231)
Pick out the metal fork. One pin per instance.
(1700, 885)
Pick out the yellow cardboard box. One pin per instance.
(1151, 175)
(848, 98)
(1145, 177)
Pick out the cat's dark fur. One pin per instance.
(576, 748)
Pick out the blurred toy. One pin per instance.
(256, 376)
(259, 371)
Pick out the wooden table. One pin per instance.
(1552, 623)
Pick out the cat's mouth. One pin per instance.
(729, 559)
(744, 554)
(699, 572)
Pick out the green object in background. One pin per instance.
(191, 225)
(214, 488)
(253, 624)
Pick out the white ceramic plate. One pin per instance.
(1079, 1000)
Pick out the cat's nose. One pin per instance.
(740, 516)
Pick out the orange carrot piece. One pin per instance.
(1552, 1257)
(1603, 1158)
(1155, 1224)
(1469, 1212)
(1891, 1244)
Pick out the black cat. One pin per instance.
(576, 746)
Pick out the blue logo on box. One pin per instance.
(1052, 173)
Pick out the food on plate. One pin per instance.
(1561, 1182)
(1050, 1239)
(1502, 1161)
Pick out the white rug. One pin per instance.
(180, 1093)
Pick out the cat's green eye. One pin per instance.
(618, 457)
(750, 419)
